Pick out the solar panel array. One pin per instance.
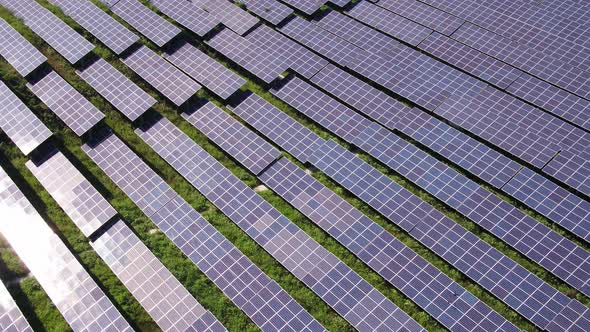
(159, 292)
(543, 305)
(205, 70)
(23, 56)
(11, 318)
(148, 23)
(54, 31)
(19, 123)
(73, 291)
(191, 17)
(289, 134)
(345, 291)
(445, 300)
(229, 14)
(261, 298)
(272, 11)
(74, 194)
(428, 16)
(67, 103)
(115, 87)
(106, 29)
(238, 141)
(163, 76)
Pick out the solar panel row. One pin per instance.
(238, 141)
(19, 123)
(538, 242)
(157, 290)
(204, 69)
(148, 23)
(229, 14)
(115, 87)
(270, 10)
(353, 298)
(571, 168)
(191, 17)
(261, 298)
(11, 318)
(520, 289)
(56, 33)
(67, 103)
(162, 75)
(23, 56)
(445, 300)
(110, 32)
(73, 291)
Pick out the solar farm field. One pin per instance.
(305, 165)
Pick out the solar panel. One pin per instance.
(74, 194)
(23, 56)
(549, 249)
(468, 153)
(106, 29)
(523, 291)
(171, 306)
(270, 10)
(163, 76)
(279, 127)
(261, 298)
(389, 23)
(206, 70)
(148, 23)
(541, 65)
(307, 6)
(191, 17)
(572, 169)
(492, 117)
(552, 99)
(73, 291)
(115, 87)
(67, 103)
(11, 318)
(470, 60)
(436, 293)
(344, 290)
(424, 14)
(19, 123)
(229, 14)
(241, 143)
(56, 33)
(562, 207)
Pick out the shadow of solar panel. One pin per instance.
(163, 76)
(169, 304)
(67, 103)
(191, 17)
(436, 293)
(11, 318)
(241, 143)
(106, 29)
(73, 291)
(56, 33)
(204, 69)
(23, 56)
(19, 123)
(518, 288)
(279, 127)
(326, 275)
(229, 14)
(74, 194)
(148, 23)
(270, 10)
(261, 298)
(115, 87)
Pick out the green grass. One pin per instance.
(44, 316)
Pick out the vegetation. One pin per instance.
(44, 316)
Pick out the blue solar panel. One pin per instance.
(437, 294)
(229, 14)
(272, 11)
(241, 143)
(419, 12)
(262, 299)
(23, 56)
(572, 168)
(344, 290)
(191, 17)
(504, 278)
